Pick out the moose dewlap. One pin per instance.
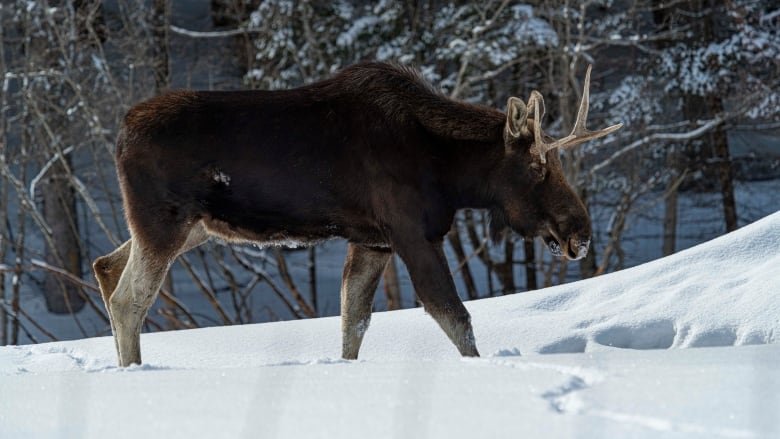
(374, 155)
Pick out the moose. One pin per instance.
(375, 155)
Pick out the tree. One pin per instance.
(55, 85)
(680, 75)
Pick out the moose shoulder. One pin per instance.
(374, 155)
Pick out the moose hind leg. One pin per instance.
(108, 269)
(134, 295)
(362, 271)
(139, 285)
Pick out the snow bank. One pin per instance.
(722, 293)
(285, 379)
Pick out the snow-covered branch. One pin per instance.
(213, 34)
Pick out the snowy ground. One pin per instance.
(625, 368)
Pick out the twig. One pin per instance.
(263, 275)
(473, 254)
(15, 316)
(173, 300)
(285, 274)
(37, 325)
(207, 292)
(45, 168)
(38, 264)
(213, 34)
(658, 136)
(75, 280)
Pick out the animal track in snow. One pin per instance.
(756, 337)
(712, 338)
(651, 334)
(566, 398)
(663, 334)
(657, 334)
(568, 345)
(507, 352)
(558, 302)
(590, 322)
(43, 358)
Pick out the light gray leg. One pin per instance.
(136, 291)
(134, 295)
(362, 271)
(108, 269)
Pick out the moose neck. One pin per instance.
(471, 175)
(470, 144)
(464, 141)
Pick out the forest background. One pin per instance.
(696, 83)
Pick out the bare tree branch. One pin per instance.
(213, 34)
(693, 134)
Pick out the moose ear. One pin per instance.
(516, 114)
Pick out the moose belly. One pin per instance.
(291, 234)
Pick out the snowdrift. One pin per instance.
(629, 373)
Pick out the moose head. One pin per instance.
(539, 201)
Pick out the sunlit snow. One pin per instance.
(623, 369)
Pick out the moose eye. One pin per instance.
(537, 171)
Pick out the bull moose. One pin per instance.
(375, 155)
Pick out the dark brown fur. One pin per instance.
(374, 155)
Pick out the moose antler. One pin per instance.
(579, 133)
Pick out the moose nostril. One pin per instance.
(554, 247)
(578, 248)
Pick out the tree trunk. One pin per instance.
(720, 143)
(725, 171)
(670, 215)
(58, 196)
(391, 286)
(3, 249)
(5, 226)
(59, 211)
(588, 264)
(505, 270)
(697, 107)
(313, 277)
(530, 265)
(159, 19)
(663, 17)
(457, 246)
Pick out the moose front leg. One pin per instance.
(435, 288)
(362, 270)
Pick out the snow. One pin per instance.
(623, 369)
